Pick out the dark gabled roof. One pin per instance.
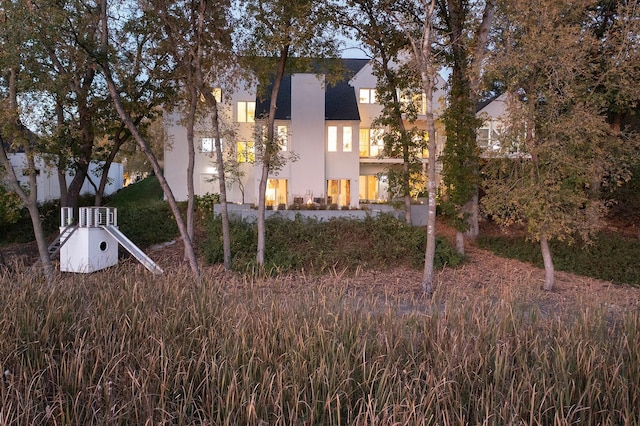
(340, 98)
(283, 104)
(340, 101)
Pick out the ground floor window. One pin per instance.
(339, 192)
(372, 188)
(276, 192)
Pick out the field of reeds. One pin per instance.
(124, 347)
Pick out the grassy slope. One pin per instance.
(147, 189)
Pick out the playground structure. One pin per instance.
(91, 243)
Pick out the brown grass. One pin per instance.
(122, 346)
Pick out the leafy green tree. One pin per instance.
(276, 30)
(198, 38)
(16, 24)
(553, 140)
(466, 33)
(416, 20)
(105, 55)
(397, 90)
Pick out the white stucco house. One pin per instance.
(326, 127)
(48, 186)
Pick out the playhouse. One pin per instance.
(91, 243)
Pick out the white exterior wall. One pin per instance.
(48, 187)
(344, 165)
(308, 138)
(176, 155)
(88, 250)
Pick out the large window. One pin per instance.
(347, 138)
(276, 193)
(339, 192)
(332, 138)
(283, 137)
(206, 145)
(488, 136)
(368, 96)
(246, 152)
(419, 101)
(371, 142)
(372, 188)
(246, 111)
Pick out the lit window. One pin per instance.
(364, 142)
(376, 146)
(246, 112)
(206, 145)
(246, 152)
(347, 138)
(217, 93)
(283, 137)
(368, 96)
(332, 138)
(419, 101)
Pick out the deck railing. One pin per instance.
(90, 217)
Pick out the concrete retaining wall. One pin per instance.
(246, 213)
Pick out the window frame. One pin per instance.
(367, 95)
(245, 151)
(246, 112)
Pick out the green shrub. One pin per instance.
(147, 223)
(611, 257)
(21, 230)
(340, 243)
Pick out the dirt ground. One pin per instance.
(483, 273)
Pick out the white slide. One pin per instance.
(133, 249)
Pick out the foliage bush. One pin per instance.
(340, 243)
(147, 223)
(21, 229)
(611, 257)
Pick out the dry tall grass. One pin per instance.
(124, 347)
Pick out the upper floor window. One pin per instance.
(206, 145)
(347, 138)
(368, 96)
(246, 151)
(246, 111)
(217, 93)
(332, 138)
(488, 136)
(282, 133)
(419, 101)
(371, 142)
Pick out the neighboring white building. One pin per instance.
(48, 187)
(328, 127)
(493, 113)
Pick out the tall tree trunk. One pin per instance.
(269, 149)
(430, 251)
(30, 201)
(549, 278)
(61, 172)
(407, 196)
(191, 117)
(120, 139)
(62, 160)
(224, 211)
(190, 253)
(128, 122)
